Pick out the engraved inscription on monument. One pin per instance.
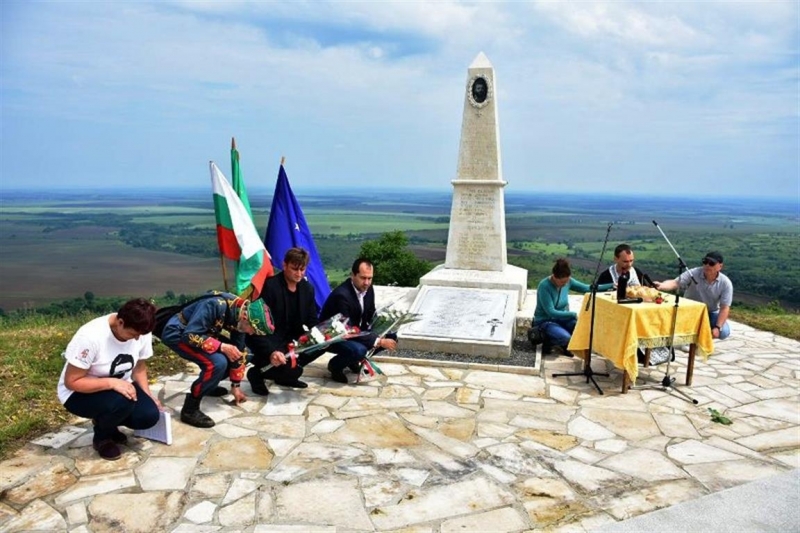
(481, 314)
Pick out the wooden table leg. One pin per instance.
(626, 382)
(646, 357)
(690, 364)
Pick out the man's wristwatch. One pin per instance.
(235, 385)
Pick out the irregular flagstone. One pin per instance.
(438, 394)
(558, 413)
(339, 389)
(229, 431)
(311, 456)
(292, 427)
(725, 474)
(396, 391)
(60, 438)
(134, 513)
(643, 464)
(497, 430)
(630, 425)
(246, 453)
(392, 456)
(317, 413)
(790, 457)
(201, 513)
(784, 409)
(463, 497)
(336, 501)
(511, 458)
(452, 446)
(586, 455)
(519, 384)
(55, 477)
(647, 499)
(445, 461)
(194, 528)
(384, 404)
(588, 477)
(281, 447)
(76, 514)
(381, 431)
(187, 441)
(241, 513)
(428, 372)
(93, 485)
(500, 395)
(217, 410)
(611, 445)
(285, 403)
(239, 488)
(772, 440)
(165, 473)
(780, 392)
(327, 426)
(381, 492)
(623, 402)
(674, 425)
(88, 463)
(557, 441)
(563, 394)
(468, 395)
(445, 410)
(694, 452)
(329, 401)
(37, 516)
(210, 486)
(587, 430)
(460, 428)
(497, 474)
(411, 476)
(499, 520)
(22, 465)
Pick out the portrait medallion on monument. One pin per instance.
(479, 91)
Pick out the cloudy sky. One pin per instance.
(650, 97)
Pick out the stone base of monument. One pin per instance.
(511, 278)
(462, 321)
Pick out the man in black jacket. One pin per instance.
(290, 298)
(355, 299)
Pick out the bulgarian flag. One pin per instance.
(237, 237)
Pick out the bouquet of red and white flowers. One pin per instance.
(336, 328)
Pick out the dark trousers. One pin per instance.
(110, 409)
(214, 367)
(346, 353)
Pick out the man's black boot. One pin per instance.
(257, 382)
(192, 415)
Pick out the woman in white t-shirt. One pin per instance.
(105, 376)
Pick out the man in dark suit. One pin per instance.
(355, 299)
(290, 297)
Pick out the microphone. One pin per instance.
(655, 223)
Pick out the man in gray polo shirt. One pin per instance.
(711, 287)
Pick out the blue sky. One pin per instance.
(668, 98)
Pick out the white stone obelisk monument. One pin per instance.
(468, 305)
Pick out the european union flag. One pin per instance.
(287, 228)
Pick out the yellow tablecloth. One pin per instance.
(620, 328)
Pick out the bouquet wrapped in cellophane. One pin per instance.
(336, 328)
(385, 321)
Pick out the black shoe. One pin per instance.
(257, 382)
(107, 449)
(355, 368)
(217, 392)
(117, 436)
(296, 384)
(339, 377)
(192, 415)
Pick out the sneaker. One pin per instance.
(257, 382)
(339, 377)
(107, 449)
(355, 368)
(296, 384)
(197, 419)
(217, 392)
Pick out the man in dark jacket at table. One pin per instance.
(355, 299)
(290, 298)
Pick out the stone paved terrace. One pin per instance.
(428, 449)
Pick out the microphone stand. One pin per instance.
(668, 383)
(587, 362)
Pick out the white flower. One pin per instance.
(317, 336)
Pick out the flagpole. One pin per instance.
(283, 158)
(224, 271)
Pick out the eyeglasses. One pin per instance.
(709, 262)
